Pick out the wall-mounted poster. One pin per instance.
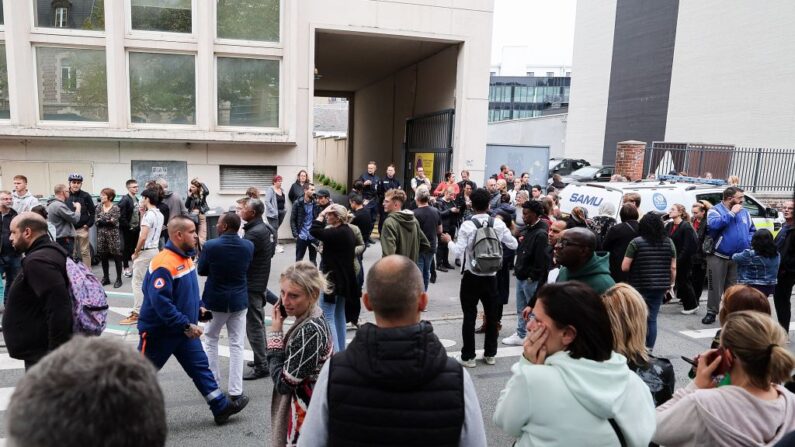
(175, 172)
(424, 159)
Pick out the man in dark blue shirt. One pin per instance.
(304, 212)
(370, 183)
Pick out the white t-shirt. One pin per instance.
(154, 220)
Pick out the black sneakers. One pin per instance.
(235, 406)
(708, 319)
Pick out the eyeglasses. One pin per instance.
(563, 243)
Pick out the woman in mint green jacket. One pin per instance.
(569, 387)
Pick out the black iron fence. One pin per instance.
(758, 169)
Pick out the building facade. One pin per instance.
(224, 90)
(516, 97)
(678, 71)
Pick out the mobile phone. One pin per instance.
(282, 310)
(693, 362)
(207, 315)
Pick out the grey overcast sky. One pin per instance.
(546, 27)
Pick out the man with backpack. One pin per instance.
(480, 242)
(38, 313)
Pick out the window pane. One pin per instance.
(162, 88)
(72, 84)
(5, 110)
(172, 16)
(2, 20)
(248, 92)
(249, 19)
(74, 14)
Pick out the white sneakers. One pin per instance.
(466, 363)
(689, 311)
(490, 360)
(513, 340)
(279, 249)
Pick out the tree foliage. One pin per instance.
(162, 84)
(249, 20)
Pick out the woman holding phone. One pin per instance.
(295, 357)
(754, 409)
(569, 368)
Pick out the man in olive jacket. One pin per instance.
(38, 314)
(401, 233)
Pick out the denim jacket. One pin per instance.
(755, 269)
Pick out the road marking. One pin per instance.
(512, 351)
(710, 332)
(223, 351)
(6, 362)
(120, 310)
(5, 397)
(121, 294)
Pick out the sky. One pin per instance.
(546, 27)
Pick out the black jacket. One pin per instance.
(532, 257)
(616, 242)
(339, 244)
(126, 210)
(449, 218)
(6, 249)
(386, 184)
(685, 240)
(296, 191)
(38, 314)
(699, 256)
(395, 384)
(364, 221)
(298, 214)
(88, 209)
(262, 236)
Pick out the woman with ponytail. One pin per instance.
(753, 408)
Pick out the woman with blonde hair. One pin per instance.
(753, 409)
(339, 245)
(628, 313)
(296, 357)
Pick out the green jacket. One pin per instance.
(402, 235)
(595, 273)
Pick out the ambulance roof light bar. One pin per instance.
(686, 179)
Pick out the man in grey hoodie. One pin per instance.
(63, 218)
(23, 199)
(176, 207)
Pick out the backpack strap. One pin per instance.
(491, 222)
(477, 223)
(617, 429)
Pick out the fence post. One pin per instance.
(630, 159)
(756, 171)
(701, 163)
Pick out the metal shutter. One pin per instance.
(242, 177)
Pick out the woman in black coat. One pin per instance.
(297, 188)
(339, 245)
(686, 242)
(618, 238)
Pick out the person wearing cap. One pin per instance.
(274, 207)
(87, 216)
(323, 199)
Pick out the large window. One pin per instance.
(74, 14)
(248, 20)
(2, 20)
(162, 88)
(5, 110)
(248, 92)
(173, 16)
(72, 84)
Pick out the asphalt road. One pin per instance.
(190, 421)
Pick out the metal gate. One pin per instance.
(429, 141)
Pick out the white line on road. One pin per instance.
(5, 397)
(6, 362)
(710, 332)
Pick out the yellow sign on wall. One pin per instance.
(424, 159)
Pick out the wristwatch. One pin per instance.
(186, 328)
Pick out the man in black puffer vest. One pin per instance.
(395, 381)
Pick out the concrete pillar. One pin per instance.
(629, 159)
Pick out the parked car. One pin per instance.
(565, 166)
(592, 173)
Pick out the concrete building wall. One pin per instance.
(733, 79)
(107, 148)
(590, 82)
(547, 130)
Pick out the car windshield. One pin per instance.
(586, 171)
(553, 163)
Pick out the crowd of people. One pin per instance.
(588, 292)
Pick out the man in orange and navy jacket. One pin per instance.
(169, 316)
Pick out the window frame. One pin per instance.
(215, 81)
(167, 36)
(128, 93)
(61, 18)
(245, 42)
(34, 29)
(40, 122)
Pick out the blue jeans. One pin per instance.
(524, 291)
(334, 313)
(424, 263)
(654, 299)
(10, 265)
